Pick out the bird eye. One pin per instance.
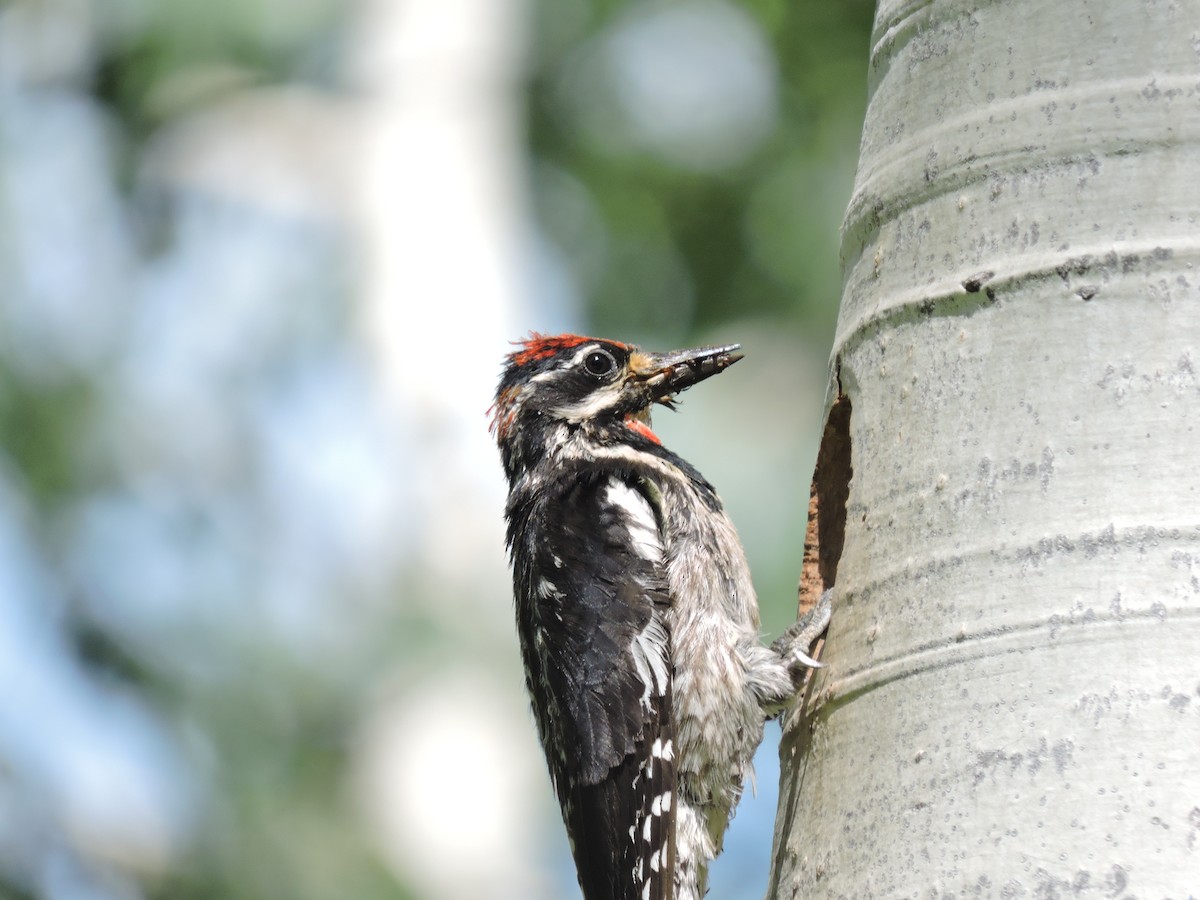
(599, 363)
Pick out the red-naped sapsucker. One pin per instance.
(637, 619)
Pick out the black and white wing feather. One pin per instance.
(592, 616)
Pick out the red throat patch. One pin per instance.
(641, 428)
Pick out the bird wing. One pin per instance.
(598, 646)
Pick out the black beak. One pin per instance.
(665, 374)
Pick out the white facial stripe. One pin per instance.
(582, 352)
(595, 403)
(575, 360)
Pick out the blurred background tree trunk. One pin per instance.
(1012, 703)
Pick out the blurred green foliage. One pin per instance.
(757, 239)
(165, 58)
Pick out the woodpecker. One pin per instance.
(637, 619)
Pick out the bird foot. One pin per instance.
(795, 644)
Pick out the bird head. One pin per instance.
(576, 381)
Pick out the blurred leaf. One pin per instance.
(758, 239)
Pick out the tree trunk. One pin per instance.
(1009, 487)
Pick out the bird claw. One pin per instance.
(799, 656)
(795, 643)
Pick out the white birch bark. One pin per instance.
(1012, 703)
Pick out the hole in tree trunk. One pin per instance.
(827, 506)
